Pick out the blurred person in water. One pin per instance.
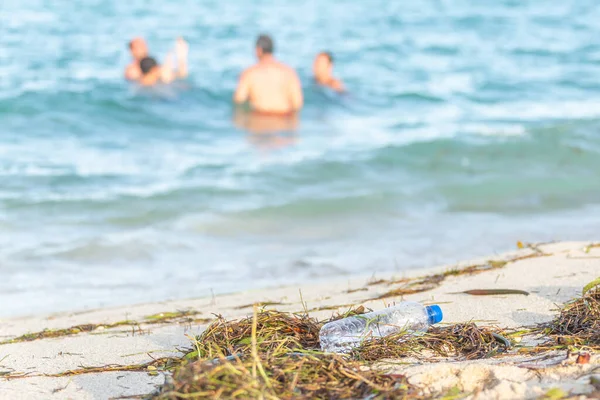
(151, 73)
(270, 87)
(139, 50)
(323, 72)
(265, 131)
(266, 124)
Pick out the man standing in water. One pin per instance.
(270, 86)
(323, 72)
(138, 50)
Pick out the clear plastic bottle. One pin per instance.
(342, 335)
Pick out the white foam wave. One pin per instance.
(29, 170)
(532, 111)
(495, 130)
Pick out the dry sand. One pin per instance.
(552, 279)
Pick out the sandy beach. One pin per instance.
(39, 366)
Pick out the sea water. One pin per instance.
(468, 126)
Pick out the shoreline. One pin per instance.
(134, 335)
(345, 277)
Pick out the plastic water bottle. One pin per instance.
(342, 335)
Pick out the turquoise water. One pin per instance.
(469, 126)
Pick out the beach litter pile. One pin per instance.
(276, 355)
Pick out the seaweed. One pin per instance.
(151, 367)
(275, 330)
(261, 305)
(578, 323)
(285, 377)
(160, 318)
(431, 282)
(492, 292)
(275, 355)
(462, 341)
(329, 308)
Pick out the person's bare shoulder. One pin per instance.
(245, 85)
(289, 71)
(337, 85)
(248, 73)
(132, 72)
(249, 70)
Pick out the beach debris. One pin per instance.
(284, 377)
(170, 316)
(462, 341)
(407, 317)
(274, 355)
(555, 394)
(350, 291)
(583, 358)
(262, 304)
(501, 339)
(376, 282)
(533, 246)
(578, 323)
(593, 284)
(186, 316)
(275, 329)
(351, 312)
(431, 282)
(330, 308)
(152, 367)
(61, 388)
(492, 292)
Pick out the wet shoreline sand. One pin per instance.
(51, 356)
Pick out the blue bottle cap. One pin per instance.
(435, 314)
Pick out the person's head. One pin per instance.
(264, 46)
(138, 48)
(323, 65)
(151, 73)
(148, 65)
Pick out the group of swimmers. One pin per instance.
(270, 87)
(145, 69)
